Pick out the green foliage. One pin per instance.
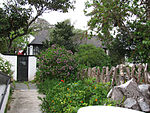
(122, 22)
(92, 56)
(56, 62)
(62, 97)
(5, 67)
(117, 51)
(141, 42)
(62, 34)
(3, 45)
(20, 43)
(16, 19)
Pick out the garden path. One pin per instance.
(25, 99)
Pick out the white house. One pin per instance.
(36, 45)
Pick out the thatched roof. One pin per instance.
(40, 37)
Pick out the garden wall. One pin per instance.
(13, 61)
(2, 110)
(32, 67)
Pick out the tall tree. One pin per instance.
(62, 34)
(16, 16)
(125, 22)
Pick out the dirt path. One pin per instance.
(25, 99)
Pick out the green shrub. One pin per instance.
(5, 67)
(62, 97)
(92, 56)
(56, 62)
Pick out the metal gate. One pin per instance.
(22, 68)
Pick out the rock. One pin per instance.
(144, 105)
(145, 89)
(129, 102)
(129, 90)
(117, 94)
(109, 94)
(136, 107)
(134, 96)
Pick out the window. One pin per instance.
(36, 50)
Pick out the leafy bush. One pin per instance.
(56, 62)
(5, 66)
(62, 97)
(92, 56)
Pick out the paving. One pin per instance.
(25, 99)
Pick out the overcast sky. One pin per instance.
(77, 17)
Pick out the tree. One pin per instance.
(16, 16)
(128, 20)
(62, 34)
(18, 43)
(3, 45)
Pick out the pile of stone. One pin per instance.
(132, 95)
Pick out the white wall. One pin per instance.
(31, 68)
(2, 110)
(30, 50)
(13, 61)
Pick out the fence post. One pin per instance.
(94, 72)
(139, 72)
(107, 74)
(121, 76)
(128, 73)
(103, 75)
(114, 77)
(132, 72)
(89, 72)
(145, 74)
(98, 74)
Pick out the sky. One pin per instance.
(77, 17)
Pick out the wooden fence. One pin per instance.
(119, 74)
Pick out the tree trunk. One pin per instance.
(9, 46)
(148, 9)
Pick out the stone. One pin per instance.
(129, 103)
(117, 94)
(109, 94)
(144, 105)
(145, 89)
(136, 107)
(135, 96)
(129, 90)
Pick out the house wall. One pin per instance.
(2, 110)
(32, 68)
(30, 50)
